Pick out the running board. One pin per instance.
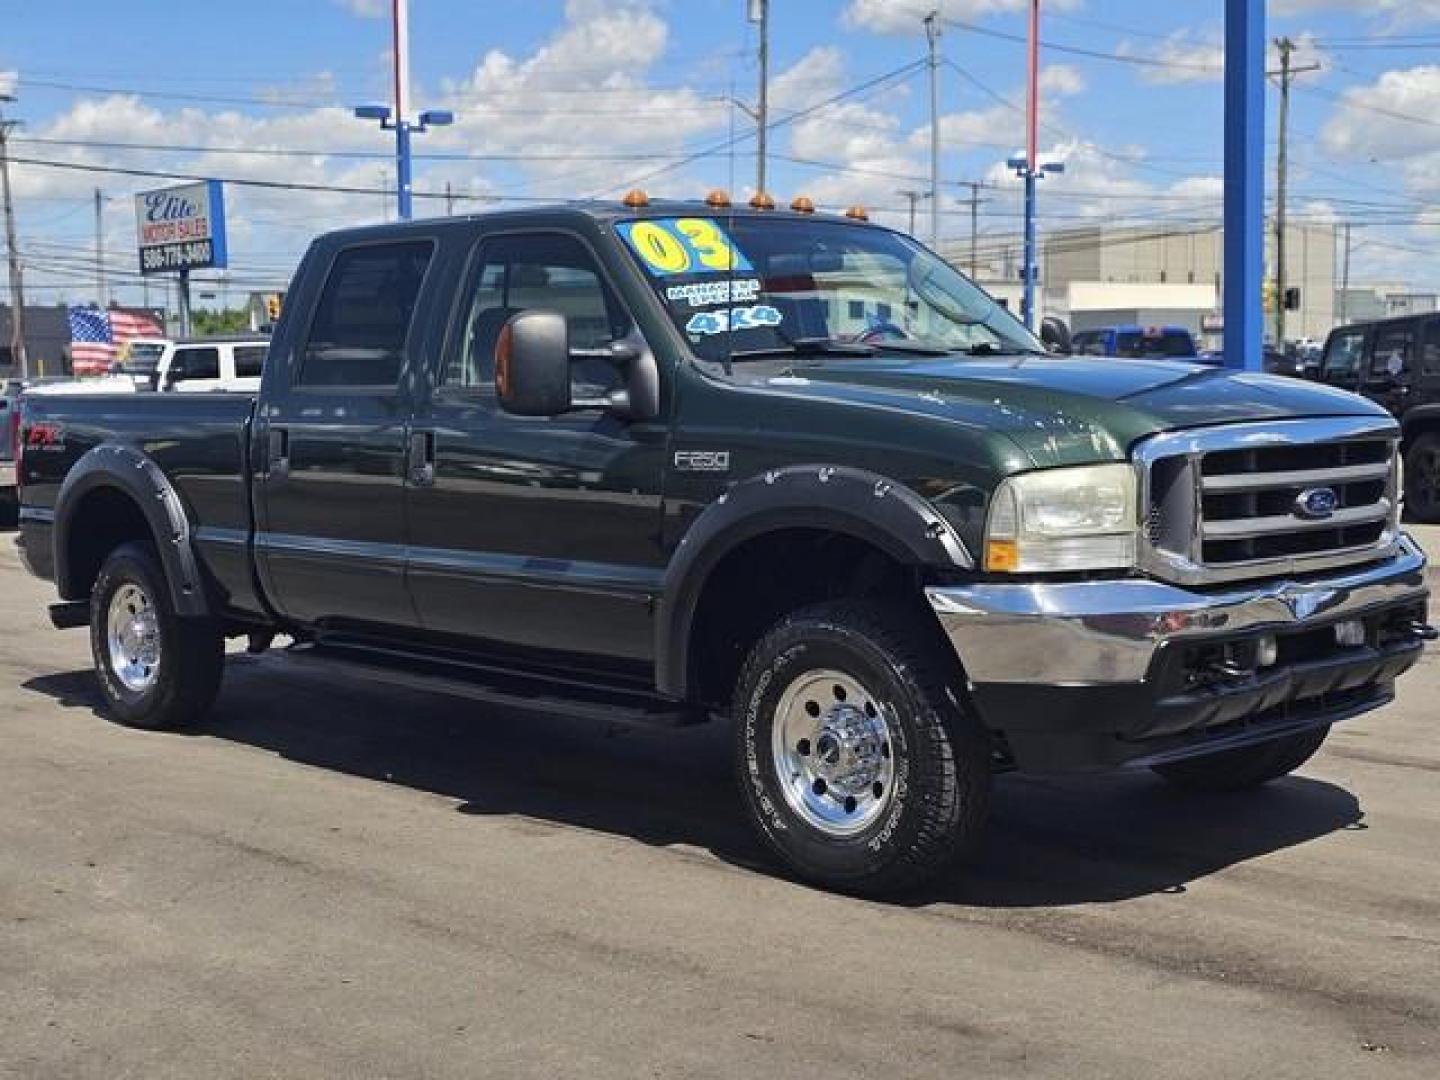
(492, 686)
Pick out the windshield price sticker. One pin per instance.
(710, 293)
(704, 323)
(672, 246)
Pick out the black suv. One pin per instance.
(1396, 363)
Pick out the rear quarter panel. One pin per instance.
(199, 441)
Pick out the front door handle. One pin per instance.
(422, 458)
(277, 463)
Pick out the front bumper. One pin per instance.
(1093, 675)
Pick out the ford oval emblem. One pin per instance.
(1317, 504)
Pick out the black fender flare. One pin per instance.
(130, 471)
(1418, 417)
(853, 502)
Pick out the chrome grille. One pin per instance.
(1260, 500)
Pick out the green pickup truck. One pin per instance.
(683, 461)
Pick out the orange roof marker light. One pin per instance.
(803, 204)
(858, 213)
(635, 198)
(762, 200)
(719, 198)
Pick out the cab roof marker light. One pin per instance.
(718, 198)
(762, 200)
(803, 204)
(858, 213)
(635, 198)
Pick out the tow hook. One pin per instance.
(1424, 631)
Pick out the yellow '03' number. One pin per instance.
(709, 243)
(660, 248)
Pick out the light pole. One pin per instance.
(1031, 174)
(395, 117)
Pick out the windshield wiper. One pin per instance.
(990, 348)
(808, 346)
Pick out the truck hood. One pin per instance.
(1069, 410)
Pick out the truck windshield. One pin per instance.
(741, 287)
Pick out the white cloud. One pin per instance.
(904, 16)
(366, 9)
(8, 80)
(1399, 12)
(1371, 121)
(1061, 80)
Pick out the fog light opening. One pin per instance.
(1267, 652)
(1350, 634)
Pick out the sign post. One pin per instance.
(180, 229)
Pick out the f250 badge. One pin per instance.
(702, 461)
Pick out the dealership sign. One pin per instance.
(181, 228)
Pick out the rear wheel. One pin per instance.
(1247, 767)
(857, 761)
(1422, 478)
(156, 669)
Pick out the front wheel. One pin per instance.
(156, 669)
(1422, 479)
(858, 763)
(1246, 767)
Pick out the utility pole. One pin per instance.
(932, 37)
(449, 200)
(912, 197)
(100, 249)
(1345, 280)
(759, 13)
(974, 202)
(20, 365)
(1287, 73)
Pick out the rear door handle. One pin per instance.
(277, 462)
(422, 458)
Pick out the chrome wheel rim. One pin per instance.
(832, 752)
(132, 635)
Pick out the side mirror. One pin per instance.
(532, 364)
(1055, 335)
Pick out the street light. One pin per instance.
(403, 129)
(1029, 272)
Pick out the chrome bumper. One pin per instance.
(1110, 632)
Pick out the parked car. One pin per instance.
(1396, 363)
(191, 366)
(632, 459)
(1135, 342)
(1273, 362)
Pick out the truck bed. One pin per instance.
(199, 441)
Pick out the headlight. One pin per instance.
(1063, 519)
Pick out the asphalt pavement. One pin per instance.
(332, 879)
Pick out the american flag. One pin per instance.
(95, 335)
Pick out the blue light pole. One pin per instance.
(403, 129)
(1032, 175)
(397, 114)
(1244, 183)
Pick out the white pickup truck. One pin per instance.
(196, 366)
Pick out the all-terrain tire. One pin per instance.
(938, 758)
(176, 689)
(1422, 479)
(1246, 767)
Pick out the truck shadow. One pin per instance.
(1052, 842)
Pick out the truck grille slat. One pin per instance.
(1255, 500)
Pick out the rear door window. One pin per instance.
(1393, 348)
(250, 361)
(363, 318)
(196, 364)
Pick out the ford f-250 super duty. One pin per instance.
(686, 460)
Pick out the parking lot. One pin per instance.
(335, 879)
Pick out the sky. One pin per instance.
(562, 99)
